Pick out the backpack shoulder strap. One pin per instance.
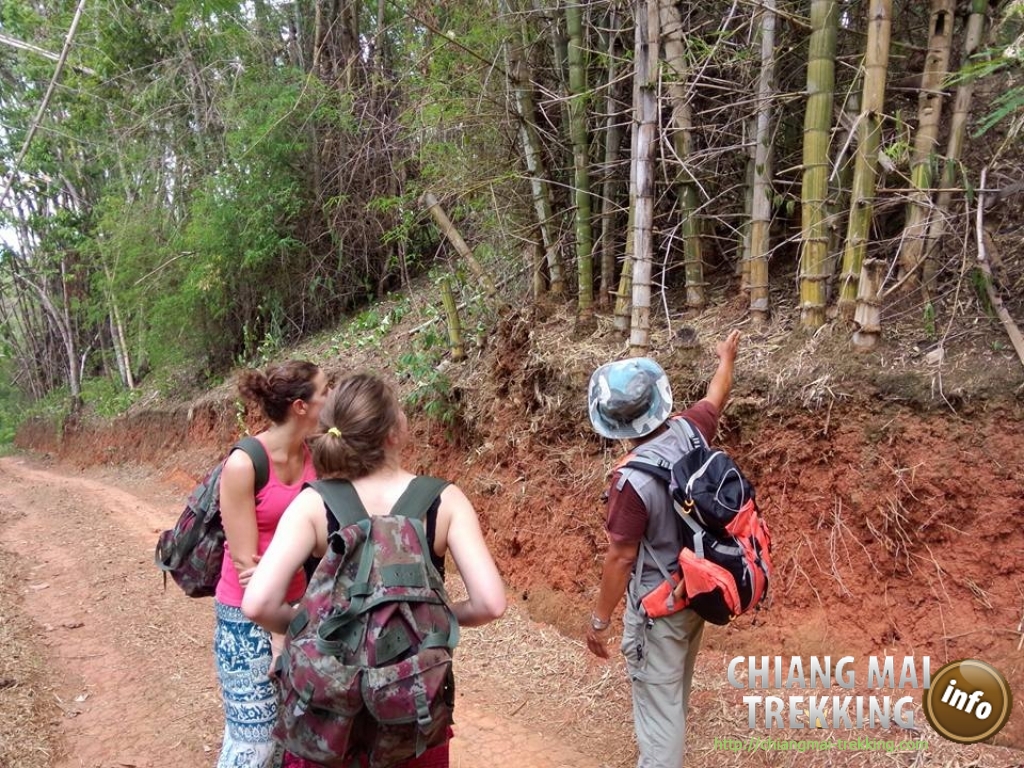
(688, 436)
(652, 465)
(419, 496)
(686, 433)
(254, 449)
(341, 500)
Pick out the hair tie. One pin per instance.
(334, 431)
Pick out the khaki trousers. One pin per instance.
(660, 658)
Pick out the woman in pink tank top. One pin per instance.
(291, 396)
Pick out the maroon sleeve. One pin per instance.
(627, 515)
(704, 416)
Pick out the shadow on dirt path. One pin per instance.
(132, 666)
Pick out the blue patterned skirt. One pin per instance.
(242, 653)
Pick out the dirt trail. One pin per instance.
(132, 663)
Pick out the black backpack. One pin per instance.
(192, 552)
(725, 559)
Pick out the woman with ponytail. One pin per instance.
(362, 433)
(291, 396)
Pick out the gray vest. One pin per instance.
(662, 537)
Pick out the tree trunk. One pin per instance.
(646, 75)
(581, 171)
(16, 316)
(534, 253)
(124, 362)
(973, 38)
(876, 65)
(926, 141)
(60, 319)
(624, 297)
(761, 213)
(682, 144)
(814, 261)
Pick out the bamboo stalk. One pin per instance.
(624, 297)
(451, 313)
(647, 116)
(868, 315)
(760, 218)
(533, 156)
(954, 148)
(682, 129)
(926, 139)
(876, 65)
(580, 159)
(814, 262)
(611, 185)
(429, 201)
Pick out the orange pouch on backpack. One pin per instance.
(661, 601)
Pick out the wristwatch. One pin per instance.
(597, 625)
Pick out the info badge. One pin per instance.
(968, 701)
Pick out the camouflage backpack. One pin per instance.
(193, 550)
(365, 677)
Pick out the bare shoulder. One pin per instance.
(239, 459)
(238, 469)
(306, 509)
(308, 501)
(452, 497)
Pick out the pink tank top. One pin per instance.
(271, 502)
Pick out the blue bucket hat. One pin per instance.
(629, 398)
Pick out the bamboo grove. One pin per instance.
(192, 181)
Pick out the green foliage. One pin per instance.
(258, 350)
(455, 103)
(12, 403)
(432, 392)
(54, 407)
(107, 397)
(980, 283)
(1008, 103)
(369, 327)
(929, 319)
(898, 146)
(407, 230)
(241, 271)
